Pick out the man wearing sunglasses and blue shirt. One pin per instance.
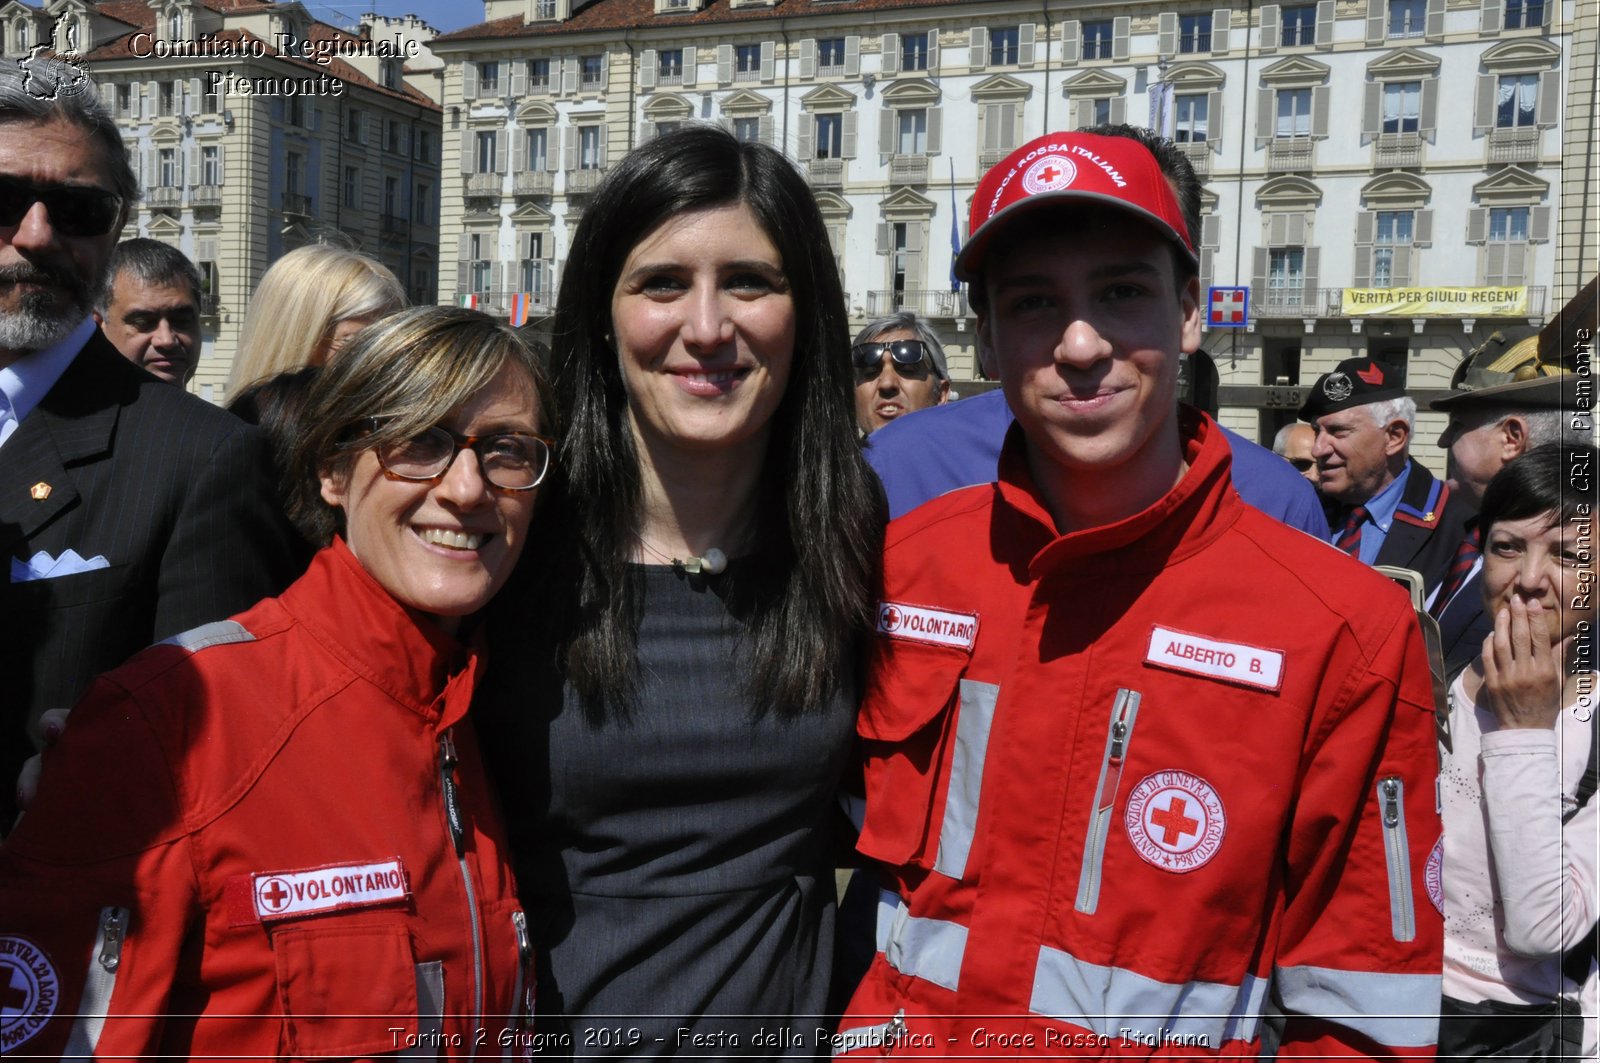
(130, 511)
(900, 368)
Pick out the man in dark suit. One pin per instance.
(1392, 511)
(129, 510)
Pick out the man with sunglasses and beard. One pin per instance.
(900, 368)
(130, 512)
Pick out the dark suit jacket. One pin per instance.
(1464, 625)
(1429, 524)
(175, 493)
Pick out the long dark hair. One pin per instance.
(808, 591)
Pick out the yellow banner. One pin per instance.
(1436, 302)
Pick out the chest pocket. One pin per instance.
(925, 732)
(345, 988)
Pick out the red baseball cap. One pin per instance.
(1065, 167)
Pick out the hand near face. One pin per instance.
(1521, 670)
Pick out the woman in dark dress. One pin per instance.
(674, 689)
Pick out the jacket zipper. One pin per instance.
(1124, 710)
(99, 985)
(1396, 851)
(523, 995)
(458, 838)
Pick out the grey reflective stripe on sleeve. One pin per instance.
(430, 1011)
(1112, 1001)
(973, 722)
(1396, 1010)
(889, 905)
(101, 982)
(929, 949)
(218, 634)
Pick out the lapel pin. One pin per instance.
(40, 491)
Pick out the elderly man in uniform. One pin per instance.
(1139, 758)
(1391, 510)
(129, 511)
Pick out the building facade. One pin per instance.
(1382, 176)
(254, 129)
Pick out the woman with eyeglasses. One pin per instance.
(273, 836)
(1520, 874)
(673, 696)
(900, 368)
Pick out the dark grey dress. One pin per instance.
(676, 866)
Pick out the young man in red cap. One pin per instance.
(1145, 765)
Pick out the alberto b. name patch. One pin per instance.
(1236, 662)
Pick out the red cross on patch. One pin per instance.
(1228, 307)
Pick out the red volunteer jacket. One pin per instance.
(1134, 782)
(268, 837)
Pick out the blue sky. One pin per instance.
(442, 15)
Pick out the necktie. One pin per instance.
(1460, 567)
(1349, 538)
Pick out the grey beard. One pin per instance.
(38, 324)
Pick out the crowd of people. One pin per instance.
(446, 698)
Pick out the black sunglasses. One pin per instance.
(75, 210)
(910, 358)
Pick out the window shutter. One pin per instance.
(1361, 272)
(310, 113)
(1544, 111)
(500, 153)
(1539, 225)
(150, 172)
(1121, 27)
(1403, 264)
(1221, 20)
(914, 241)
(806, 150)
(1422, 229)
(933, 51)
(988, 126)
(1477, 225)
(569, 148)
(890, 47)
(1167, 34)
(691, 60)
(808, 58)
(191, 163)
(1319, 111)
(1083, 111)
(1013, 113)
(1258, 273)
(569, 75)
(519, 79)
(1211, 230)
(1296, 229)
(1207, 256)
(724, 64)
(1371, 115)
(1376, 10)
(768, 60)
(1265, 99)
(1483, 107)
(1119, 109)
(849, 137)
(1325, 23)
(935, 119)
(886, 131)
(764, 129)
(1313, 273)
(1271, 29)
(1433, 26)
(469, 80)
(602, 150)
(1488, 18)
(1214, 120)
(497, 273)
(152, 99)
(552, 150)
(1277, 230)
(1071, 41)
(519, 151)
(1366, 222)
(647, 131)
(1494, 263)
(978, 48)
(197, 99)
(647, 68)
(1026, 36)
(366, 128)
(464, 262)
(885, 238)
(221, 151)
(852, 55)
(1544, 14)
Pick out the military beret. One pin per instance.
(1353, 382)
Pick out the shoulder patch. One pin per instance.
(220, 633)
(29, 990)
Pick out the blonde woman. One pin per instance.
(307, 306)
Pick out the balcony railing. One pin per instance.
(582, 182)
(1393, 150)
(1199, 153)
(827, 173)
(1289, 154)
(1287, 301)
(1520, 144)
(533, 183)
(934, 303)
(208, 305)
(498, 300)
(164, 196)
(483, 184)
(988, 160)
(295, 203)
(908, 170)
(394, 225)
(205, 196)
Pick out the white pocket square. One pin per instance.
(42, 566)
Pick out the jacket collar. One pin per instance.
(1199, 508)
(394, 648)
